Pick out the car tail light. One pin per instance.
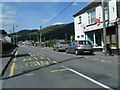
(78, 43)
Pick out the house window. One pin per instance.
(80, 20)
(106, 11)
(91, 16)
(82, 36)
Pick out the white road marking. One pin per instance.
(90, 79)
(105, 61)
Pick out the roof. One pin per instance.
(91, 5)
(3, 32)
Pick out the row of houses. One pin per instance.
(4, 37)
(87, 29)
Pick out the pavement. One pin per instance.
(35, 67)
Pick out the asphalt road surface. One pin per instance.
(35, 67)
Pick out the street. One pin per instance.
(35, 67)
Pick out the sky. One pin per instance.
(32, 15)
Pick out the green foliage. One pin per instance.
(51, 43)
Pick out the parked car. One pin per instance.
(80, 47)
(60, 46)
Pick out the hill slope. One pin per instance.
(50, 32)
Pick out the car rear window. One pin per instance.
(85, 42)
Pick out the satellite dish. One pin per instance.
(118, 20)
(97, 20)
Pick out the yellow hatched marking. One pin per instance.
(46, 62)
(12, 70)
(42, 58)
(35, 58)
(37, 62)
(33, 64)
(49, 59)
(42, 62)
(26, 64)
(29, 58)
(54, 62)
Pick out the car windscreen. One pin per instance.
(85, 42)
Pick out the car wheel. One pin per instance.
(76, 52)
(67, 51)
(53, 49)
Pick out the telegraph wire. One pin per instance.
(59, 13)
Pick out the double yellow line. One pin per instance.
(13, 66)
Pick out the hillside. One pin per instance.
(50, 32)
(26, 31)
(58, 31)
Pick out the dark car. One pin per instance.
(80, 47)
(60, 46)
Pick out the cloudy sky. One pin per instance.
(29, 15)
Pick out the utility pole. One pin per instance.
(65, 36)
(16, 38)
(44, 42)
(40, 37)
(104, 27)
(13, 34)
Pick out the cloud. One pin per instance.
(75, 4)
(45, 20)
(58, 23)
(7, 16)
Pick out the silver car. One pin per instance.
(80, 47)
(60, 46)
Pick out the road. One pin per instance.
(35, 67)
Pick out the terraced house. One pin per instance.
(87, 29)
